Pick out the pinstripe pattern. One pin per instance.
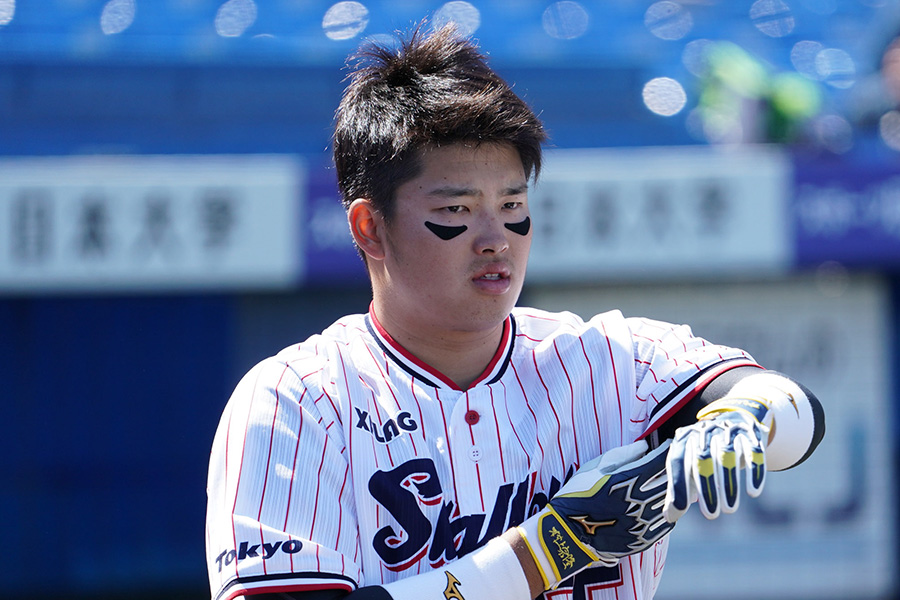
(344, 461)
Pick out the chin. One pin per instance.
(489, 317)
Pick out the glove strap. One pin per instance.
(755, 407)
(558, 553)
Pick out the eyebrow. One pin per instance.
(515, 190)
(460, 192)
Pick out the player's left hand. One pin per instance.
(705, 458)
(610, 508)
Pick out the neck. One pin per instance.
(461, 356)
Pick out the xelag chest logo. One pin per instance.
(385, 431)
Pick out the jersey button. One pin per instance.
(472, 417)
(475, 453)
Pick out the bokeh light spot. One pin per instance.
(834, 133)
(7, 11)
(345, 20)
(695, 57)
(803, 57)
(836, 68)
(466, 17)
(565, 20)
(772, 17)
(668, 20)
(889, 129)
(117, 16)
(832, 278)
(794, 96)
(664, 96)
(234, 17)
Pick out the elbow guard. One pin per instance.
(795, 417)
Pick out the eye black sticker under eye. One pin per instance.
(445, 232)
(521, 227)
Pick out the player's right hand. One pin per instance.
(610, 508)
(705, 459)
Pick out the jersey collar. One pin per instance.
(431, 376)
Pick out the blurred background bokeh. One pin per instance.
(168, 217)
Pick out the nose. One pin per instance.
(491, 238)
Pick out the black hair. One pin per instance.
(431, 90)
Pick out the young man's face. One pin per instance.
(457, 246)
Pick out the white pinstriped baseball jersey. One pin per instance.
(343, 461)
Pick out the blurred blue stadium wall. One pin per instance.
(111, 399)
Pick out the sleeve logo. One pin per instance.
(264, 551)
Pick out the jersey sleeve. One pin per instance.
(280, 515)
(672, 366)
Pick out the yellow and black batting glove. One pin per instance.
(610, 508)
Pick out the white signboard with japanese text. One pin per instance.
(825, 529)
(127, 223)
(652, 213)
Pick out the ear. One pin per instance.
(366, 226)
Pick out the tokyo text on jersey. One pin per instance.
(343, 461)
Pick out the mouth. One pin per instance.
(493, 279)
(493, 272)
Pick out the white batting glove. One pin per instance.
(705, 458)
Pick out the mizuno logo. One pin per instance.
(793, 402)
(451, 592)
(591, 526)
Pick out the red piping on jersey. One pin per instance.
(505, 341)
(631, 572)
(537, 436)
(262, 498)
(537, 371)
(374, 408)
(477, 468)
(287, 511)
(337, 542)
(511, 427)
(278, 589)
(406, 564)
(237, 485)
(699, 386)
(385, 375)
(612, 363)
(571, 401)
(437, 396)
(497, 428)
(312, 526)
(593, 394)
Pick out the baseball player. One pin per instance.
(447, 444)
